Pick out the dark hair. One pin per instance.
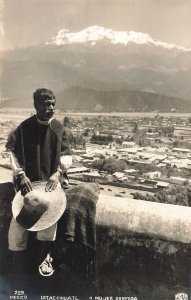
(43, 94)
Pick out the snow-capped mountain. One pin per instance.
(97, 65)
(94, 34)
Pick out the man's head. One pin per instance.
(44, 103)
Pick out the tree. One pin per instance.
(111, 165)
(86, 132)
(167, 130)
(178, 195)
(111, 168)
(135, 128)
(169, 171)
(176, 143)
(98, 164)
(98, 108)
(119, 140)
(110, 138)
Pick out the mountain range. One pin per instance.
(119, 70)
(95, 34)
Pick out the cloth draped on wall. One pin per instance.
(78, 221)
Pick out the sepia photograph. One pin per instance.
(95, 149)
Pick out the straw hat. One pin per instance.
(38, 209)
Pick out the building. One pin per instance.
(131, 171)
(152, 134)
(179, 180)
(139, 162)
(119, 176)
(153, 175)
(181, 150)
(95, 177)
(125, 151)
(162, 184)
(78, 170)
(128, 144)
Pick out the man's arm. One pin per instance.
(21, 180)
(66, 155)
(12, 141)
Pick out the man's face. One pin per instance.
(45, 109)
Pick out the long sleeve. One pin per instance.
(17, 169)
(10, 146)
(11, 140)
(66, 157)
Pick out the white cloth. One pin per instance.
(66, 162)
(44, 122)
(15, 165)
(18, 236)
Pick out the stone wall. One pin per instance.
(143, 248)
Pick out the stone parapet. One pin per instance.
(159, 220)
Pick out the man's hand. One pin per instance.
(52, 182)
(24, 184)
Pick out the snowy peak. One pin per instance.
(94, 34)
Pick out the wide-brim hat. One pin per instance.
(38, 209)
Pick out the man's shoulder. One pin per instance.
(29, 121)
(57, 126)
(55, 122)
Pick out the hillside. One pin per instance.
(82, 99)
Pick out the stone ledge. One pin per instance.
(159, 220)
(129, 216)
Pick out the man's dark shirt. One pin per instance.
(38, 147)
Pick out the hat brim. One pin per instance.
(57, 206)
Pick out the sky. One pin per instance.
(32, 22)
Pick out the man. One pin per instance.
(39, 151)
